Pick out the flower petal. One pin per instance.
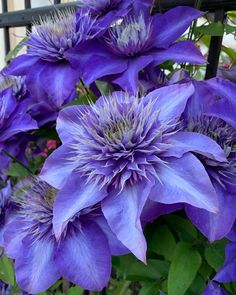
(171, 101)
(183, 142)
(215, 226)
(122, 213)
(182, 51)
(35, 268)
(73, 197)
(173, 24)
(214, 289)
(84, 258)
(20, 65)
(185, 180)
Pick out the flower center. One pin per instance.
(130, 37)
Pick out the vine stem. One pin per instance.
(15, 160)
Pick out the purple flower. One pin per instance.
(46, 56)
(118, 151)
(135, 42)
(214, 289)
(81, 255)
(211, 111)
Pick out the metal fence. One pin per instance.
(25, 17)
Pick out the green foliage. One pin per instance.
(7, 271)
(213, 29)
(215, 253)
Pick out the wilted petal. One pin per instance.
(123, 212)
(185, 180)
(84, 258)
(73, 197)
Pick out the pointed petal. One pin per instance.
(59, 166)
(183, 142)
(73, 197)
(172, 107)
(173, 24)
(182, 51)
(84, 258)
(210, 224)
(35, 272)
(128, 80)
(122, 213)
(227, 273)
(185, 180)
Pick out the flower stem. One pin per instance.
(17, 161)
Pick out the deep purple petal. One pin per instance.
(183, 51)
(20, 65)
(185, 180)
(123, 212)
(227, 273)
(215, 226)
(172, 24)
(84, 258)
(171, 100)
(73, 197)
(128, 80)
(35, 267)
(59, 166)
(183, 142)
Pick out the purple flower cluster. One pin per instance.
(126, 158)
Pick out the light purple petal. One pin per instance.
(171, 100)
(35, 268)
(123, 212)
(215, 226)
(227, 273)
(73, 197)
(183, 142)
(185, 180)
(173, 24)
(84, 258)
(214, 289)
(183, 51)
(59, 166)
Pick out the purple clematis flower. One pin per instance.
(212, 111)
(82, 254)
(45, 59)
(117, 151)
(135, 42)
(214, 289)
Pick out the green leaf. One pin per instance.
(75, 291)
(183, 227)
(150, 288)
(104, 87)
(213, 29)
(183, 268)
(230, 29)
(215, 254)
(17, 170)
(13, 53)
(197, 287)
(163, 242)
(7, 271)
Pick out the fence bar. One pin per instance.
(6, 28)
(215, 47)
(57, 1)
(28, 6)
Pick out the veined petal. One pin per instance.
(185, 180)
(182, 51)
(73, 197)
(59, 166)
(123, 212)
(35, 267)
(84, 258)
(183, 142)
(215, 226)
(171, 100)
(173, 24)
